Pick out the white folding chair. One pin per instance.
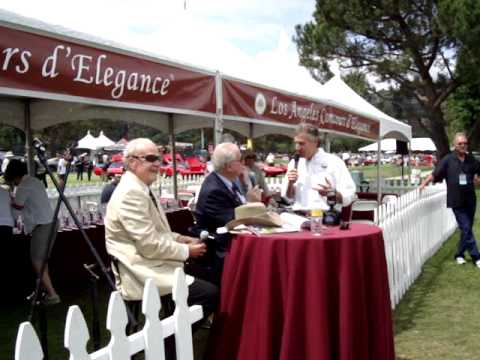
(363, 211)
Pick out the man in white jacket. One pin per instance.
(139, 237)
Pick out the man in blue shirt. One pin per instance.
(459, 169)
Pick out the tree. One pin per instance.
(463, 112)
(425, 49)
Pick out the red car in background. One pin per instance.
(188, 166)
(272, 170)
(114, 168)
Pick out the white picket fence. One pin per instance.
(414, 226)
(122, 346)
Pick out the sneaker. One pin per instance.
(477, 263)
(460, 260)
(51, 300)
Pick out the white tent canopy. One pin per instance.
(338, 91)
(103, 141)
(87, 142)
(386, 145)
(417, 144)
(423, 144)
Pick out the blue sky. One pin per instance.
(249, 39)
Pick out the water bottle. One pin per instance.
(316, 220)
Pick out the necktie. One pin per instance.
(236, 192)
(153, 198)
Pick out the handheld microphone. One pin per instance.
(296, 157)
(205, 235)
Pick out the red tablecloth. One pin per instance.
(299, 296)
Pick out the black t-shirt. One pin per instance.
(450, 168)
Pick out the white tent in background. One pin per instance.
(120, 145)
(103, 141)
(423, 144)
(417, 144)
(87, 142)
(387, 145)
(338, 91)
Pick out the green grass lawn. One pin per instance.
(72, 180)
(439, 316)
(386, 171)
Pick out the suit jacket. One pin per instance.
(215, 207)
(139, 236)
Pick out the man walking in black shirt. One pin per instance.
(459, 169)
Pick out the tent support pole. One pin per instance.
(28, 138)
(202, 138)
(327, 142)
(171, 130)
(250, 135)
(379, 156)
(218, 125)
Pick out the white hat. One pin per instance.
(9, 154)
(254, 213)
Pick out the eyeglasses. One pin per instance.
(462, 143)
(151, 158)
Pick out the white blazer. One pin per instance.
(139, 236)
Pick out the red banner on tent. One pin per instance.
(254, 102)
(44, 64)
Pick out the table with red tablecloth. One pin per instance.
(68, 257)
(301, 296)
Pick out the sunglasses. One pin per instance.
(151, 158)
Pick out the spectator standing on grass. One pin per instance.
(79, 164)
(62, 170)
(459, 169)
(32, 200)
(89, 169)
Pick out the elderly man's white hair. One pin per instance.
(223, 154)
(135, 146)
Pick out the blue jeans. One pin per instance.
(465, 216)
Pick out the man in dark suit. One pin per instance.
(219, 196)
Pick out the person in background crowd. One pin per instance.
(138, 234)
(79, 166)
(40, 171)
(252, 175)
(89, 169)
(316, 174)
(8, 155)
(219, 196)
(62, 170)
(109, 188)
(105, 165)
(32, 200)
(459, 169)
(270, 159)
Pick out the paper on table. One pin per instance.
(293, 221)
